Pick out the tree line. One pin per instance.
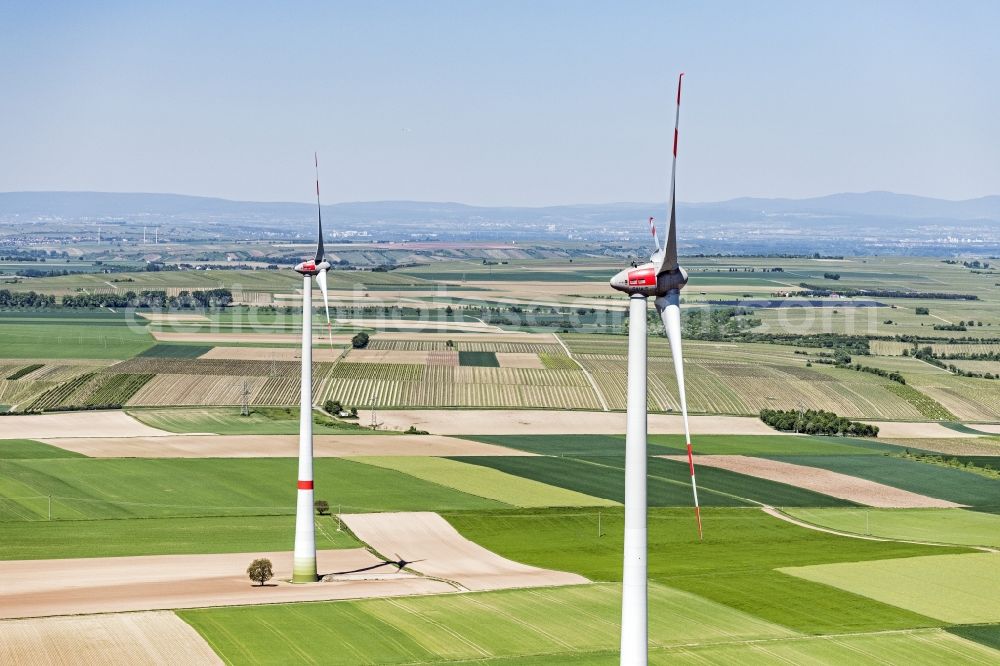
(817, 290)
(156, 299)
(25, 299)
(816, 422)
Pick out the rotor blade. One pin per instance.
(321, 280)
(652, 228)
(669, 260)
(670, 311)
(319, 215)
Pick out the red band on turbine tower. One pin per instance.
(305, 485)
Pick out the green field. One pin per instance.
(71, 338)
(160, 536)
(168, 350)
(485, 482)
(957, 526)
(11, 449)
(734, 565)
(986, 634)
(599, 479)
(482, 626)
(749, 445)
(933, 480)
(932, 646)
(669, 482)
(228, 421)
(478, 359)
(959, 589)
(96, 488)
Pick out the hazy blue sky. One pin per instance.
(502, 102)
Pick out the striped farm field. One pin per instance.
(974, 348)
(378, 371)
(518, 625)
(888, 347)
(558, 362)
(21, 392)
(229, 421)
(486, 482)
(669, 482)
(736, 387)
(60, 393)
(164, 390)
(981, 367)
(121, 488)
(957, 526)
(213, 366)
(953, 446)
(392, 384)
(378, 343)
(91, 389)
(968, 398)
(927, 646)
(947, 483)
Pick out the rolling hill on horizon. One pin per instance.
(886, 206)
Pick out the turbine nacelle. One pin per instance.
(312, 267)
(644, 281)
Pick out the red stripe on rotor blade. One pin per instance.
(305, 485)
(690, 459)
(680, 79)
(675, 143)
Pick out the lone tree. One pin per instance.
(260, 571)
(360, 341)
(322, 507)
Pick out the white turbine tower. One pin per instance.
(662, 278)
(304, 560)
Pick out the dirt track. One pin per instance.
(556, 422)
(277, 446)
(36, 588)
(121, 639)
(444, 553)
(834, 484)
(75, 424)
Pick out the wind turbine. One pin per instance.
(304, 559)
(662, 278)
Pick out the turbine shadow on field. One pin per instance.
(400, 564)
